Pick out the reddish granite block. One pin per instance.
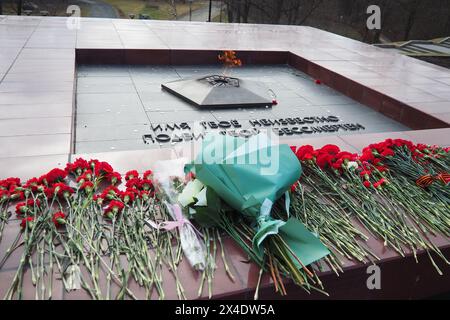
(417, 119)
(327, 77)
(28, 290)
(186, 57)
(372, 99)
(153, 57)
(443, 117)
(100, 56)
(82, 294)
(10, 233)
(266, 57)
(439, 120)
(190, 280)
(401, 278)
(314, 70)
(247, 271)
(337, 82)
(393, 108)
(354, 90)
(298, 62)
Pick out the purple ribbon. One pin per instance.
(178, 222)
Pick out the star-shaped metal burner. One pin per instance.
(218, 81)
(219, 91)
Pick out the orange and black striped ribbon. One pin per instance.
(427, 180)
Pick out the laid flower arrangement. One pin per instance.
(391, 205)
(77, 224)
(88, 224)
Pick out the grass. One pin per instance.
(60, 11)
(224, 18)
(158, 10)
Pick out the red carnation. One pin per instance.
(387, 153)
(93, 163)
(77, 167)
(402, 142)
(190, 176)
(293, 187)
(9, 182)
(103, 169)
(367, 184)
(145, 195)
(27, 221)
(32, 181)
(24, 207)
(16, 193)
(367, 155)
(330, 149)
(308, 156)
(305, 151)
(147, 184)
(365, 174)
(127, 196)
(344, 155)
(60, 189)
(59, 218)
(4, 194)
(148, 174)
(135, 183)
(113, 208)
(114, 178)
(55, 175)
(86, 176)
(337, 164)
(323, 160)
(97, 198)
(110, 193)
(87, 186)
(34, 185)
(131, 175)
(21, 208)
(379, 183)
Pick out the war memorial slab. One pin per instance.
(98, 92)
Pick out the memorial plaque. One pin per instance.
(128, 110)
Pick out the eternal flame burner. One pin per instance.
(218, 91)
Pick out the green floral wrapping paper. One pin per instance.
(249, 175)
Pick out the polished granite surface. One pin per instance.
(117, 105)
(38, 71)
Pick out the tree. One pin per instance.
(411, 18)
(174, 8)
(19, 7)
(401, 19)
